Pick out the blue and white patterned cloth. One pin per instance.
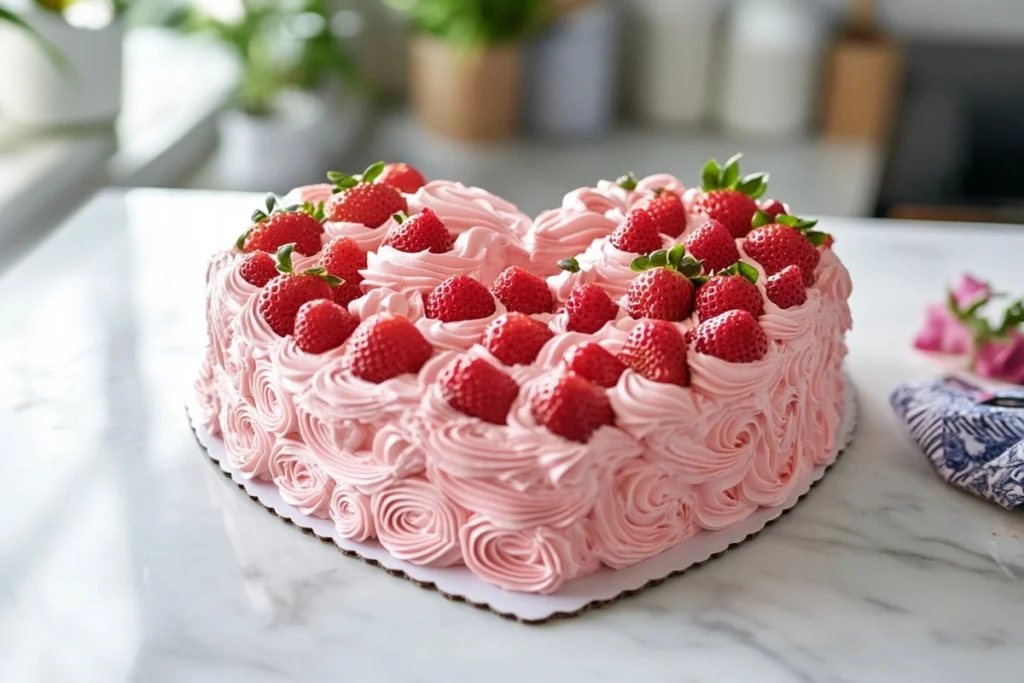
(974, 438)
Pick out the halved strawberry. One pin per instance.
(588, 308)
(516, 338)
(667, 212)
(282, 297)
(713, 246)
(728, 198)
(385, 346)
(522, 291)
(734, 288)
(402, 177)
(733, 336)
(786, 288)
(422, 232)
(258, 268)
(594, 362)
(343, 257)
(637, 234)
(323, 325)
(476, 388)
(358, 199)
(570, 406)
(277, 226)
(788, 241)
(460, 297)
(657, 350)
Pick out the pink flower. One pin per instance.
(969, 290)
(942, 331)
(1002, 359)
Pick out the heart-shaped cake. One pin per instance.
(427, 366)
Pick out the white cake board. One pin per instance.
(575, 596)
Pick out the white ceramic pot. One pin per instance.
(669, 60)
(35, 92)
(274, 153)
(571, 74)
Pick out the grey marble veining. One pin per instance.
(125, 556)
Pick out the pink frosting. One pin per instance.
(533, 560)
(300, 480)
(406, 304)
(458, 335)
(418, 524)
(717, 508)
(561, 233)
(604, 264)
(272, 402)
(367, 239)
(317, 193)
(477, 253)
(295, 367)
(247, 444)
(352, 514)
(642, 510)
(833, 281)
(207, 394)
(461, 208)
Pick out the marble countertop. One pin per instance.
(125, 556)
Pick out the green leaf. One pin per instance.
(640, 263)
(805, 223)
(270, 203)
(240, 242)
(373, 172)
(284, 258)
(748, 271)
(570, 265)
(953, 306)
(676, 254)
(786, 219)
(753, 185)
(976, 306)
(711, 176)
(659, 259)
(760, 218)
(399, 217)
(817, 237)
(699, 280)
(336, 176)
(319, 270)
(731, 173)
(627, 182)
(257, 216)
(1013, 318)
(333, 280)
(690, 267)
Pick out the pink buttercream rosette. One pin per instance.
(299, 478)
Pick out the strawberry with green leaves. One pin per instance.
(727, 197)
(358, 199)
(422, 232)
(282, 297)
(664, 288)
(731, 289)
(343, 258)
(667, 211)
(785, 241)
(271, 229)
(713, 246)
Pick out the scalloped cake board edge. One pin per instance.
(575, 597)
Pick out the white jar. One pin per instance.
(669, 59)
(34, 92)
(773, 50)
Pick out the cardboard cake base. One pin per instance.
(574, 597)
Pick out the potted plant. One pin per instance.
(299, 101)
(80, 84)
(466, 63)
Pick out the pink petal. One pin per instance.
(1002, 360)
(969, 289)
(942, 332)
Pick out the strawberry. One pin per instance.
(522, 291)
(637, 234)
(460, 297)
(660, 293)
(276, 227)
(828, 241)
(713, 246)
(283, 296)
(588, 308)
(323, 325)
(732, 289)
(570, 406)
(476, 388)
(663, 290)
(258, 268)
(733, 336)
(385, 346)
(343, 258)
(667, 212)
(657, 350)
(772, 207)
(516, 338)
(358, 199)
(727, 198)
(592, 361)
(422, 232)
(788, 241)
(402, 177)
(786, 289)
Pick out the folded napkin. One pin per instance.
(973, 437)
